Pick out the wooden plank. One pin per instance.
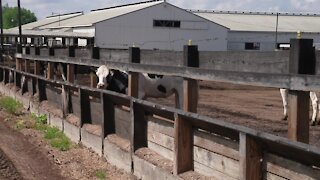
(122, 123)
(210, 172)
(161, 150)
(70, 73)
(93, 80)
(270, 176)
(217, 162)
(27, 65)
(37, 67)
(289, 81)
(289, 169)
(298, 123)
(250, 158)
(133, 84)
(161, 139)
(157, 125)
(217, 144)
(18, 64)
(190, 95)
(183, 145)
(50, 70)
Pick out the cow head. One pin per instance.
(103, 74)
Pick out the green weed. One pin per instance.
(100, 174)
(11, 106)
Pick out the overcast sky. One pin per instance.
(43, 8)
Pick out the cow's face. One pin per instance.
(102, 72)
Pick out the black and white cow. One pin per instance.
(314, 102)
(158, 87)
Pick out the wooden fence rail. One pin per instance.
(254, 146)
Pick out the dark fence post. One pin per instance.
(85, 111)
(302, 61)
(72, 52)
(95, 53)
(37, 50)
(19, 48)
(51, 51)
(41, 89)
(1, 74)
(183, 129)
(250, 158)
(133, 84)
(139, 127)
(108, 116)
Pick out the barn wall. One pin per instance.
(237, 39)
(137, 28)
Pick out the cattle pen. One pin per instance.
(119, 127)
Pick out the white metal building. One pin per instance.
(264, 31)
(149, 25)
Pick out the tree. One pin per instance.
(10, 16)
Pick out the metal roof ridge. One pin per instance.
(65, 14)
(254, 13)
(124, 5)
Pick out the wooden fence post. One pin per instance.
(250, 158)
(302, 61)
(183, 129)
(108, 116)
(133, 81)
(95, 54)
(37, 50)
(85, 111)
(41, 89)
(183, 145)
(50, 70)
(139, 127)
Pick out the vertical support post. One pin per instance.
(108, 116)
(72, 52)
(85, 111)
(133, 82)
(19, 64)
(93, 80)
(27, 65)
(183, 145)
(139, 127)
(37, 67)
(37, 50)
(41, 89)
(51, 51)
(302, 61)
(250, 158)
(190, 86)
(50, 70)
(70, 73)
(27, 48)
(1, 74)
(183, 129)
(95, 53)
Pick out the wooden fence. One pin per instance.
(191, 142)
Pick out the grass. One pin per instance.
(11, 106)
(100, 174)
(55, 137)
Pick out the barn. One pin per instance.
(149, 25)
(264, 31)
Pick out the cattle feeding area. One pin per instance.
(138, 135)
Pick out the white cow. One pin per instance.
(148, 87)
(314, 102)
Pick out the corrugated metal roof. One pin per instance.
(48, 33)
(264, 22)
(101, 15)
(48, 20)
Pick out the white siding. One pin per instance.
(237, 39)
(137, 28)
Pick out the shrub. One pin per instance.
(11, 106)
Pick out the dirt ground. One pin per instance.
(31, 156)
(26, 155)
(254, 107)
